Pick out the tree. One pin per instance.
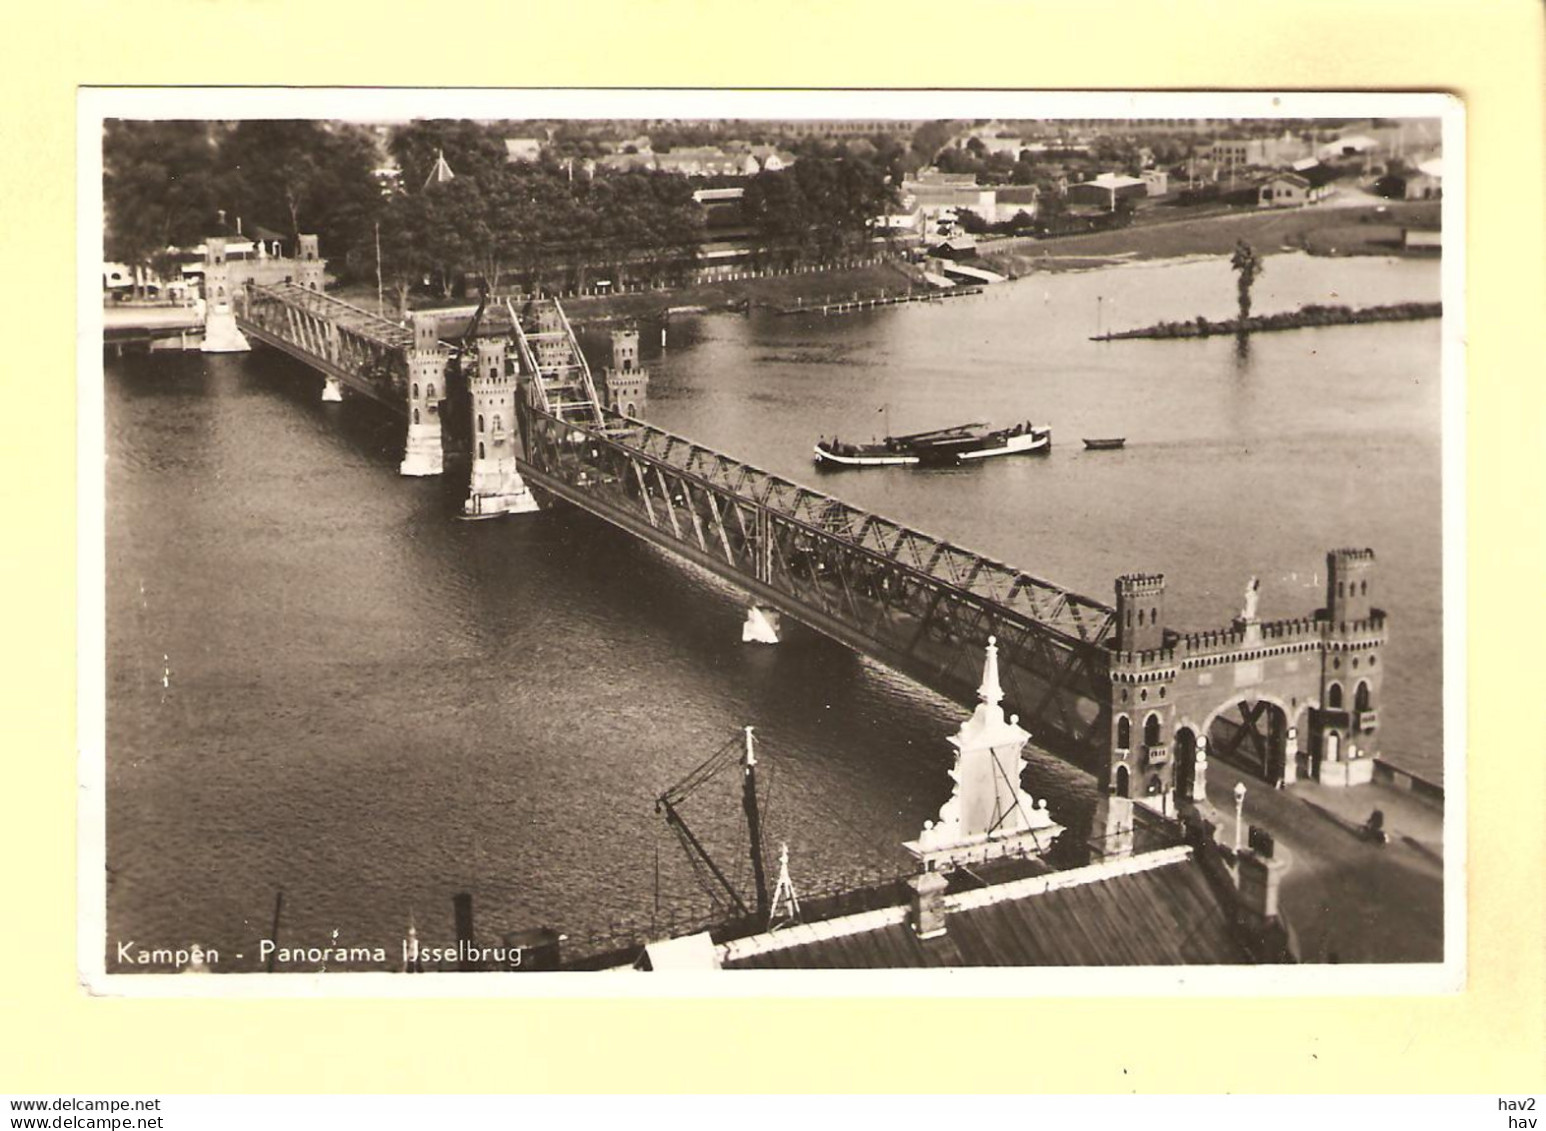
(929, 138)
(160, 184)
(302, 176)
(1248, 266)
(399, 231)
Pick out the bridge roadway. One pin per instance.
(918, 604)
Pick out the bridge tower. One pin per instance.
(496, 486)
(1141, 711)
(1345, 730)
(427, 358)
(1140, 612)
(220, 332)
(627, 381)
(310, 267)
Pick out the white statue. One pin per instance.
(1252, 590)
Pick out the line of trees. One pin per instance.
(165, 183)
(819, 208)
(540, 224)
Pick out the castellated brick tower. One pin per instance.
(1140, 612)
(1348, 573)
(310, 267)
(496, 486)
(220, 331)
(627, 382)
(426, 389)
(1345, 736)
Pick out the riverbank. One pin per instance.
(1303, 318)
(779, 291)
(1324, 229)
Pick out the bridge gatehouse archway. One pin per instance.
(1252, 733)
(1186, 760)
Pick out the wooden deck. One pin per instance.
(870, 302)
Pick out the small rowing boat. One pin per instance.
(1105, 445)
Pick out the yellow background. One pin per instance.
(53, 1038)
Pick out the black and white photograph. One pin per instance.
(670, 532)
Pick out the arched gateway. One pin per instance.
(1274, 698)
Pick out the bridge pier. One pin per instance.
(496, 487)
(761, 627)
(427, 357)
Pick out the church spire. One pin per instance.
(441, 173)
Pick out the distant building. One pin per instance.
(388, 178)
(1256, 152)
(932, 176)
(1288, 190)
(707, 161)
(771, 158)
(956, 247)
(523, 149)
(1427, 183)
(907, 220)
(845, 127)
(1356, 145)
(938, 199)
(1106, 190)
(1009, 145)
(626, 162)
(721, 208)
(1013, 199)
(1156, 182)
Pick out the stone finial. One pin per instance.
(991, 692)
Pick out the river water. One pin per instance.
(319, 682)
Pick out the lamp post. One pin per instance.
(1239, 812)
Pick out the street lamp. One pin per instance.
(1239, 811)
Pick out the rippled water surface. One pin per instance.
(320, 682)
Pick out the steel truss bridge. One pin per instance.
(915, 603)
(364, 351)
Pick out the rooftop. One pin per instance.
(1153, 909)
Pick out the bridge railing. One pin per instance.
(1080, 618)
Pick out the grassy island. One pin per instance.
(1305, 316)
